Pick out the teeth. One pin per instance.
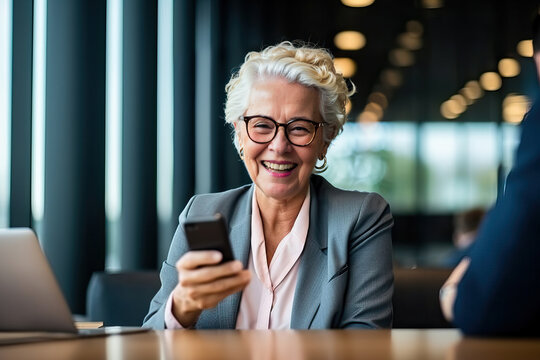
(278, 167)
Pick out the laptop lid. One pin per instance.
(30, 299)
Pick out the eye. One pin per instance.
(261, 125)
(300, 127)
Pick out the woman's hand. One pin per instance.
(203, 283)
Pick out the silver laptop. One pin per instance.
(32, 306)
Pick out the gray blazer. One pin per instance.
(345, 278)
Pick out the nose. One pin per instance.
(280, 143)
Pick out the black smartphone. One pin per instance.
(209, 233)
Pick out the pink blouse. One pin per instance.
(268, 298)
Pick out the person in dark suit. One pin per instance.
(309, 255)
(496, 291)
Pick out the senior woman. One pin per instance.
(309, 256)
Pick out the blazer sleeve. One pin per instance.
(500, 291)
(368, 299)
(155, 318)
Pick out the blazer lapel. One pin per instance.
(240, 237)
(313, 270)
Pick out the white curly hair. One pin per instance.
(298, 63)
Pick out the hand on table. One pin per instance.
(448, 292)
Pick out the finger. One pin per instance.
(194, 259)
(211, 300)
(227, 285)
(459, 271)
(208, 274)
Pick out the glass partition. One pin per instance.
(427, 168)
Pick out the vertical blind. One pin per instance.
(116, 121)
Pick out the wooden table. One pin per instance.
(445, 344)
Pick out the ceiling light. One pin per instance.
(472, 90)
(378, 98)
(515, 107)
(446, 112)
(409, 41)
(465, 92)
(357, 3)
(460, 99)
(345, 66)
(525, 48)
(455, 106)
(509, 67)
(432, 4)
(415, 27)
(367, 116)
(401, 57)
(490, 81)
(375, 108)
(350, 40)
(391, 77)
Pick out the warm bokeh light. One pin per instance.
(415, 28)
(378, 98)
(357, 3)
(350, 40)
(509, 67)
(525, 48)
(460, 99)
(367, 117)
(472, 90)
(446, 112)
(375, 109)
(465, 93)
(401, 57)
(514, 108)
(409, 41)
(490, 81)
(345, 66)
(391, 77)
(348, 107)
(432, 4)
(455, 107)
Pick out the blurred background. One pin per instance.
(111, 115)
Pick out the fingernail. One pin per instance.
(216, 256)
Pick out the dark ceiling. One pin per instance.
(461, 40)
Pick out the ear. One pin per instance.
(237, 133)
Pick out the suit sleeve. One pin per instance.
(368, 300)
(155, 318)
(500, 292)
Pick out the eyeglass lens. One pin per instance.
(299, 132)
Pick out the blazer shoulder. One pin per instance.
(225, 202)
(334, 197)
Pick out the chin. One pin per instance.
(281, 191)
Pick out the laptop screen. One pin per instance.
(31, 299)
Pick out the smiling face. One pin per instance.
(280, 170)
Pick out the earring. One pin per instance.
(241, 153)
(322, 168)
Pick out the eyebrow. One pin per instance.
(294, 118)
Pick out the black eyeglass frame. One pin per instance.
(246, 119)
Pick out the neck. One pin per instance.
(274, 211)
(278, 217)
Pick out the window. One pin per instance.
(5, 108)
(454, 167)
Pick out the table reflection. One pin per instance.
(496, 348)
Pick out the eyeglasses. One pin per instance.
(263, 129)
